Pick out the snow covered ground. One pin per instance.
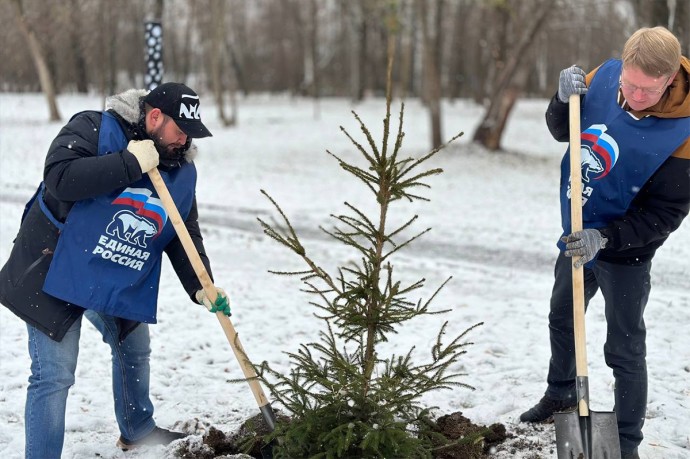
(495, 221)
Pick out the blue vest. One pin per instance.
(619, 153)
(108, 257)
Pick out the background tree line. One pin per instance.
(492, 51)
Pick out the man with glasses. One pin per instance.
(636, 191)
(91, 243)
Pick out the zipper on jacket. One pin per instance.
(44, 253)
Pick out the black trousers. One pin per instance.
(626, 290)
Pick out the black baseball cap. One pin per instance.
(181, 104)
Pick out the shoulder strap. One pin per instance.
(38, 195)
(111, 137)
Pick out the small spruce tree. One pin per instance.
(344, 399)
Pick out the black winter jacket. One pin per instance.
(74, 171)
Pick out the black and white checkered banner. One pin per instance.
(154, 54)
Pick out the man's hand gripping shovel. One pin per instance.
(210, 290)
(582, 433)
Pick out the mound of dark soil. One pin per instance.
(468, 440)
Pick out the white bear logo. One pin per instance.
(590, 163)
(129, 227)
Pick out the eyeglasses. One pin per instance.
(645, 91)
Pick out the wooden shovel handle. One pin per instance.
(207, 284)
(576, 225)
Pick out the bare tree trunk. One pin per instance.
(216, 59)
(682, 27)
(679, 23)
(158, 9)
(112, 63)
(650, 13)
(432, 79)
(358, 16)
(362, 60)
(287, 31)
(455, 65)
(508, 85)
(109, 32)
(437, 40)
(234, 44)
(405, 83)
(39, 58)
(314, 46)
(237, 68)
(81, 77)
(186, 55)
(502, 108)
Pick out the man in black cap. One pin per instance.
(90, 244)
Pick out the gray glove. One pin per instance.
(585, 244)
(571, 81)
(145, 152)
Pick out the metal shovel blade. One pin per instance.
(587, 437)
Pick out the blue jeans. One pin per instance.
(625, 290)
(52, 374)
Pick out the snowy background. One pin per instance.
(495, 221)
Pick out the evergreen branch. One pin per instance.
(348, 240)
(366, 221)
(428, 155)
(358, 172)
(315, 290)
(411, 197)
(411, 287)
(370, 139)
(320, 292)
(359, 227)
(414, 181)
(361, 149)
(471, 438)
(343, 165)
(290, 273)
(438, 351)
(290, 240)
(402, 228)
(411, 164)
(361, 174)
(386, 130)
(311, 275)
(270, 232)
(431, 298)
(401, 134)
(406, 243)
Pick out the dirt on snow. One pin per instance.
(487, 442)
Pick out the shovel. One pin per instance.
(582, 433)
(211, 292)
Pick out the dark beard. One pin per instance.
(175, 154)
(172, 158)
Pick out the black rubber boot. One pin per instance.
(158, 436)
(543, 411)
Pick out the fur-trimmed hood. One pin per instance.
(129, 105)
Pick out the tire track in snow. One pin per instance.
(226, 217)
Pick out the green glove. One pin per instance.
(221, 304)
